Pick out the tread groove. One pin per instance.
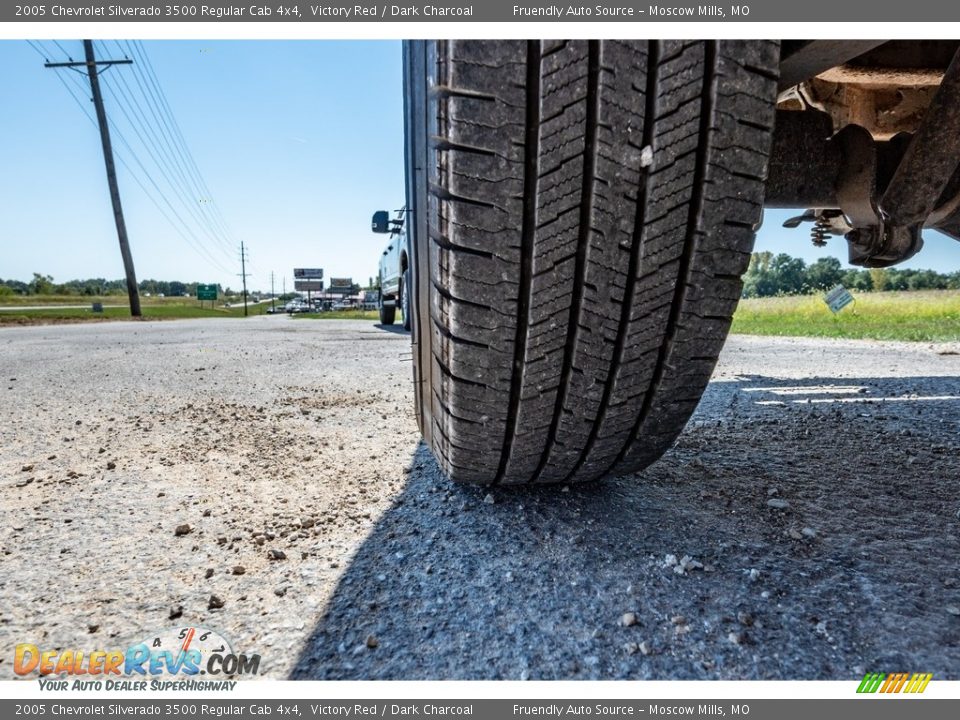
(531, 170)
(693, 217)
(623, 325)
(583, 246)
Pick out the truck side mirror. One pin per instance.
(381, 222)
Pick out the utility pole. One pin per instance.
(243, 274)
(273, 295)
(91, 64)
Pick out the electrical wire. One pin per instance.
(66, 54)
(176, 159)
(178, 133)
(146, 191)
(162, 165)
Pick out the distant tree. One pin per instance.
(824, 273)
(17, 287)
(789, 274)
(41, 284)
(758, 281)
(897, 279)
(857, 280)
(879, 278)
(927, 280)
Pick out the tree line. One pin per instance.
(767, 275)
(45, 285)
(781, 274)
(100, 287)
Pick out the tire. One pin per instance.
(388, 313)
(405, 301)
(591, 207)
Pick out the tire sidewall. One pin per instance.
(405, 301)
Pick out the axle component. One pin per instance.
(878, 194)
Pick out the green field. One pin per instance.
(35, 311)
(166, 309)
(341, 315)
(927, 315)
(30, 300)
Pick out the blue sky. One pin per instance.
(298, 142)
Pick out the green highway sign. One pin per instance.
(206, 292)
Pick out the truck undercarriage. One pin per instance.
(867, 140)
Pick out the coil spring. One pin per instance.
(819, 231)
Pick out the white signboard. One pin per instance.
(838, 298)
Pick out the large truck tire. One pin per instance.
(590, 209)
(388, 313)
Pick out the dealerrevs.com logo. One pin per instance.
(168, 660)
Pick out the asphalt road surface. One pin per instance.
(805, 525)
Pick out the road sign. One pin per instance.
(838, 298)
(341, 286)
(308, 273)
(206, 292)
(308, 285)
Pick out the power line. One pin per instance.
(44, 53)
(152, 91)
(166, 142)
(173, 162)
(191, 162)
(209, 258)
(162, 165)
(65, 53)
(167, 156)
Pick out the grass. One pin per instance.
(927, 316)
(340, 315)
(154, 308)
(32, 300)
(151, 311)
